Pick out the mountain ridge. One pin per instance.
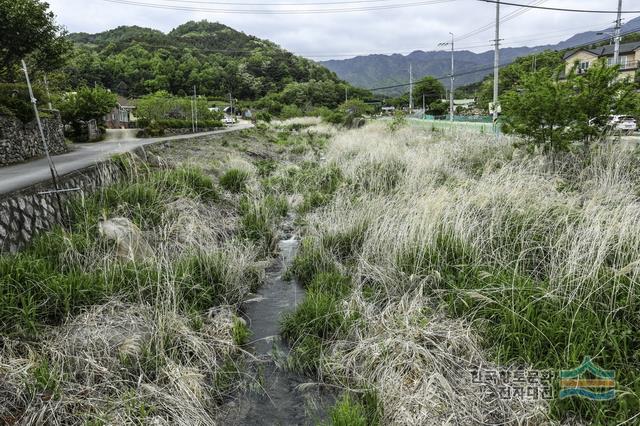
(379, 70)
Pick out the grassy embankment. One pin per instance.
(445, 252)
(90, 337)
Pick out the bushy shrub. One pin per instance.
(15, 101)
(263, 116)
(290, 111)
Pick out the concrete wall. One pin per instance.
(21, 142)
(25, 213)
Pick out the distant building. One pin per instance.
(585, 58)
(464, 103)
(388, 110)
(121, 117)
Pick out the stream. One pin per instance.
(278, 399)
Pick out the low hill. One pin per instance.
(134, 61)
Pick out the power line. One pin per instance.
(438, 78)
(279, 4)
(507, 17)
(523, 39)
(277, 12)
(559, 9)
(502, 65)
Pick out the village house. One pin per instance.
(585, 58)
(121, 116)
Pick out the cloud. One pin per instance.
(325, 36)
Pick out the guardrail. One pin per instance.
(461, 118)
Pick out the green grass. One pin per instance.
(318, 320)
(523, 322)
(33, 292)
(43, 380)
(240, 332)
(235, 180)
(348, 411)
(266, 167)
(346, 244)
(260, 218)
(47, 282)
(144, 199)
(310, 261)
(187, 182)
(317, 183)
(379, 176)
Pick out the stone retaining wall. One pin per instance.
(176, 132)
(26, 212)
(22, 141)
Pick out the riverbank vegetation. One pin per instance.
(131, 314)
(445, 252)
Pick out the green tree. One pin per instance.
(28, 31)
(432, 90)
(541, 111)
(356, 107)
(438, 107)
(596, 94)
(551, 113)
(86, 104)
(510, 76)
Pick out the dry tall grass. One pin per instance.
(410, 189)
(150, 359)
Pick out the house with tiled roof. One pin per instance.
(585, 58)
(121, 117)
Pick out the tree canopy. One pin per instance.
(28, 31)
(552, 112)
(86, 104)
(219, 60)
(431, 88)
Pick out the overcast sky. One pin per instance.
(339, 35)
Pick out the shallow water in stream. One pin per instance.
(279, 399)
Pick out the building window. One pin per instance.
(584, 65)
(624, 61)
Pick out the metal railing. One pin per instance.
(461, 118)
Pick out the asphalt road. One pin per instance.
(22, 175)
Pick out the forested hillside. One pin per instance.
(135, 61)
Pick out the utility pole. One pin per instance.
(346, 94)
(231, 106)
(424, 105)
(193, 123)
(452, 79)
(410, 89)
(496, 68)
(52, 167)
(46, 86)
(616, 49)
(195, 107)
(451, 90)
